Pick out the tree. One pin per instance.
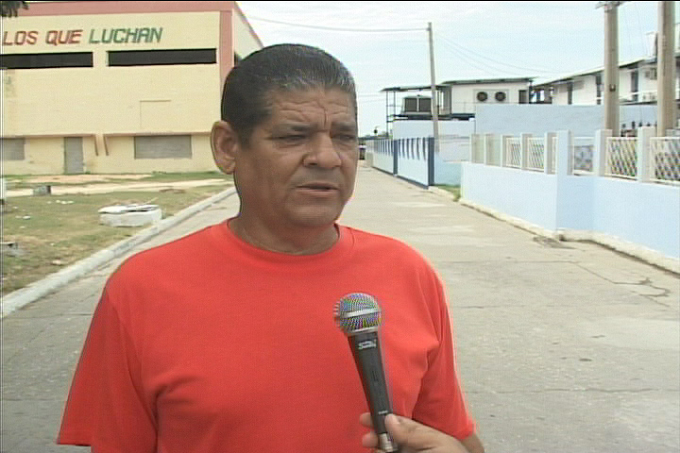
(11, 8)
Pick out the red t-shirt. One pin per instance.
(208, 344)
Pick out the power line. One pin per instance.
(472, 61)
(351, 30)
(469, 61)
(477, 55)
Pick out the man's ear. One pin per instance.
(225, 146)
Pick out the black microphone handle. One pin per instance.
(366, 351)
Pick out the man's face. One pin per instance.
(299, 167)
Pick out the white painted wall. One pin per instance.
(537, 119)
(417, 128)
(629, 215)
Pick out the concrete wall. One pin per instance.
(420, 128)
(636, 217)
(379, 153)
(537, 119)
(445, 172)
(121, 158)
(413, 161)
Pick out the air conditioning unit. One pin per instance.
(417, 104)
(501, 96)
(492, 96)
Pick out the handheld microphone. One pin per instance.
(358, 316)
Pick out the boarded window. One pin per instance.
(163, 147)
(12, 149)
(46, 60)
(162, 57)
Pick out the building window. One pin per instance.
(163, 147)
(162, 57)
(12, 149)
(46, 60)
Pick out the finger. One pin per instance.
(369, 440)
(411, 433)
(365, 419)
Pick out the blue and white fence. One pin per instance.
(624, 193)
(415, 160)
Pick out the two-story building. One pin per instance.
(637, 85)
(456, 99)
(637, 81)
(114, 87)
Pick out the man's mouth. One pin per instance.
(321, 186)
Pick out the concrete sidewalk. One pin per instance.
(562, 347)
(119, 187)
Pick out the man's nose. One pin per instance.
(323, 153)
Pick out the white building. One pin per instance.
(637, 81)
(457, 99)
(637, 85)
(463, 96)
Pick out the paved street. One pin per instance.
(562, 347)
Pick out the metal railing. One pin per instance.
(664, 159)
(621, 157)
(660, 156)
(512, 149)
(584, 150)
(536, 155)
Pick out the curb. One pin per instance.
(442, 193)
(634, 251)
(24, 296)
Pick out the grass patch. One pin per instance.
(455, 190)
(55, 231)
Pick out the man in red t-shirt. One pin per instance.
(224, 340)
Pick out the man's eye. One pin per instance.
(291, 138)
(346, 137)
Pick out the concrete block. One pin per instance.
(42, 190)
(130, 216)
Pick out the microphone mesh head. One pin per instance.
(357, 312)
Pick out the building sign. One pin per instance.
(145, 35)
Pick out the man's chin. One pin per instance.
(316, 220)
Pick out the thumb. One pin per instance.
(409, 433)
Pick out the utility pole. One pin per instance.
(434, 104)
(611, 66)
(666, 108)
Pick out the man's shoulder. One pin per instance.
(170, 255)
(384, 247)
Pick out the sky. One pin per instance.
(385, 44)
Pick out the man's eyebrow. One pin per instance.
(343, 126)
(292, 127)
(340, 126)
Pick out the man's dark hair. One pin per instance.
(283, 67)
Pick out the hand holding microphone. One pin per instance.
(413, 437)
(359, 317)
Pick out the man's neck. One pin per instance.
(299, 242)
